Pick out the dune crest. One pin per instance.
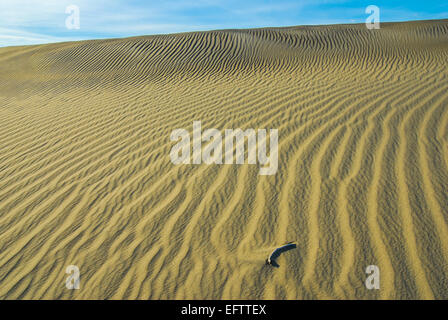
(362, 179)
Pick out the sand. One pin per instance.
(86, 177)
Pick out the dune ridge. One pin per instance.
(86, 177)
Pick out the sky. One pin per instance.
(24, 22)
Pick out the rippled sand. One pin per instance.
(86, 177)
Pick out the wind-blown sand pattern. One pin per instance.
(86, 177)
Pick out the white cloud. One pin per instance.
(13, 37)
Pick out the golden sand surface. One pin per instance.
(86, 177)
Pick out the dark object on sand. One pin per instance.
(277, 252)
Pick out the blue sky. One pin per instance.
(31, 21)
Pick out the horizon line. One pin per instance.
(224, 29)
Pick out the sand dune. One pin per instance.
(86, 177)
